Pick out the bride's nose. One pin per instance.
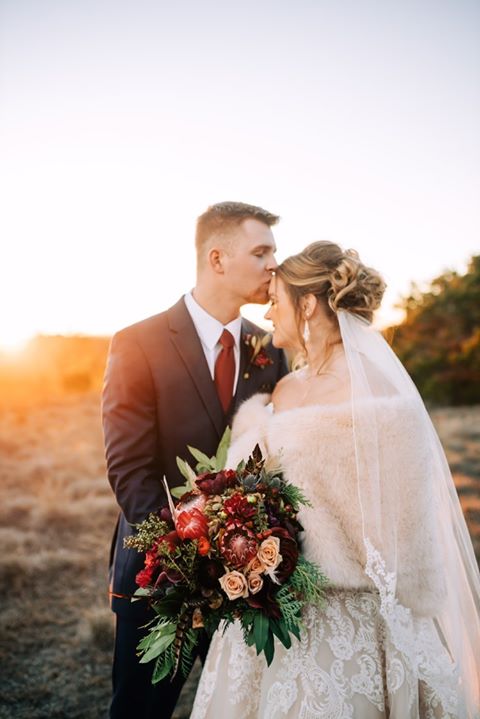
(267, 314)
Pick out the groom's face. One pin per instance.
(250, 261)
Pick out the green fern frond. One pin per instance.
(294, 496)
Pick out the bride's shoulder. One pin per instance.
(287, 388)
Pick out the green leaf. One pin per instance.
(222, 450)
(280, 630)
(163, 667)
(158, 646)
(187, 472)
(250, 637)
(155, 632)
(204, 462)
(178, 492)
(269, 648)
(169, 605)
(260, 628)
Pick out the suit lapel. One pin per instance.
(189, 347)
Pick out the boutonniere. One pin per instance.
(258, 357)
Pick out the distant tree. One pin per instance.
(439, 340)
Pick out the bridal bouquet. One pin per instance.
(227, 551)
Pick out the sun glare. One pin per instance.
(13, 343)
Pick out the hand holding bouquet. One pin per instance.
(228, 550)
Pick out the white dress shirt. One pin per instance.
(210, 330)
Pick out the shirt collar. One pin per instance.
(209, 328)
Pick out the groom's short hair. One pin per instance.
(220, 219)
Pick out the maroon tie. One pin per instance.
(225, 370)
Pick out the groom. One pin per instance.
(176, 379)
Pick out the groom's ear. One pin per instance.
(215, 260)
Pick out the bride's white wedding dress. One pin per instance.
(350, 663)
(399, 633)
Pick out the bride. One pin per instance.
(399, 632)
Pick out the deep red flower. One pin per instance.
(265, 599)
(171, 540)
(238, 546)
(144, 576)
(289, 552)
(151, 559)
(238, 506)
(192, 524)
(262, 359)
(209, 572)
(165, 514)
(216, 482)
(203, 546)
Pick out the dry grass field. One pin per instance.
(56, 518)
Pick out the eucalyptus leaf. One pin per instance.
(188, 473)
(222, 450)
(204, 462)
(178, 492)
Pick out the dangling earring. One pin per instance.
(306, 331)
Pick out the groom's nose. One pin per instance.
(272, 263)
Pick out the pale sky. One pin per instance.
(120, 122)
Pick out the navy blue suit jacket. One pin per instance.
(158, 397)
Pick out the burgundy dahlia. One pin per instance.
(238, 506)
(216, 482)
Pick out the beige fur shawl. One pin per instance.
(315, 449)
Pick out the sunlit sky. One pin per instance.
(120, 122)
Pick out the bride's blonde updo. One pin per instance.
(335, 276)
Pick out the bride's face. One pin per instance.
(282, 315)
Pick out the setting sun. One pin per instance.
(13, 341)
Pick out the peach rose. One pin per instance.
(255, 582)
(256, 566)
(269, 554)
(234, 585)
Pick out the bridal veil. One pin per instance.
(430, 602)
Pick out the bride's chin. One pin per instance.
(277, 341)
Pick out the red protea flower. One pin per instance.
(238, 546)
(238, 506)
(192, 524)
(189, 500)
